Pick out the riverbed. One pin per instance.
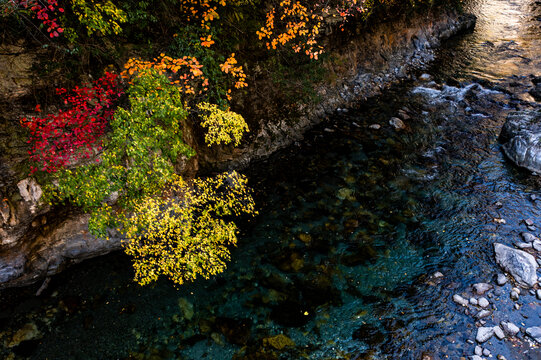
(366, 231)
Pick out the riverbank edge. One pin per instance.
(40, 245)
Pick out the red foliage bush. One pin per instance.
(72, 134)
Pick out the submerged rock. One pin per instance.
(521, 139)
(521, 265)
(481, 288)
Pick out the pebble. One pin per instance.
(483, 314)
(533, 197)
(483, 334)
(478, 350)
(524, 245)
(473, 301)
(397, 123)
(375, 126)
(535, 333)
(438, 274)
(531, 228)
(510, 328)
(528, 222)
(502, 279)
(469, 341)
(460, 300)
(517, 306)
(528, 237)
(476, 357)
(481, 288)
(486, 352)
(537, 245)
(501, 357)
(538, 293)
(483, 302)
(514, 295)
(425, 77)
(499, 332)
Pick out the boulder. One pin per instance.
(521, 139)
(521, 265)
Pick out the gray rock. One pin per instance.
(509, 328)
(521, 138)
(498, 332)
(528, 237)
(481, 288)
(531, 227)
(460, 300)
(397, 123)
(502, 279)
(528, 222)
(483, 302)
(483, 334)
(521, 265)
(486, 352)
(478, 350)
(535, 333)
(474, 301)
(537, 245)
(483, 314)
(476, 357)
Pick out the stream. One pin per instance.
(365, 234)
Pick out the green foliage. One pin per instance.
(144, 143)
(185, 235)
(222, 127)
(99, 18)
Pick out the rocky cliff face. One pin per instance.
(37, 240)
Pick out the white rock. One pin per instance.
(425, 77)
(483, 302)
(535, 333)
(538, 293)
(502, 279)
(481, 288)
(498, 332)
(537, 245)
(486, 352)
(528, 237)
(473, 301)
(476, 357)
(460, 300)
(509, 328)
(521, 265)
(438, 274)
(375, 126)
(514, 295)
(484, 333)
(483, 314)
(524, 245)
(478, 350)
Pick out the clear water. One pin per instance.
(354, 224)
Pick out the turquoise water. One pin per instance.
(354, 224)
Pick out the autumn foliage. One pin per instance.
(74, 132)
